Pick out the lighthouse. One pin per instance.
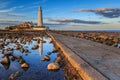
(40, 19)
(40, 25)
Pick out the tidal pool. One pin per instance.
(37, 69)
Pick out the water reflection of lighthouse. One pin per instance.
(41, 46)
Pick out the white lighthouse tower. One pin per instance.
(40, 19)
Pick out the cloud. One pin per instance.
(10, 9)
(14, 15)
(3, 3)
(7, 10)
(62, 23)
(70, 20)
(53, 24)
(106, 12)
(8, 24)
(5, 23)
(2, 20)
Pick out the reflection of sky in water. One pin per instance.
(38, 69)
(0, 55)
(118, 45)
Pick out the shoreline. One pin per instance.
(86, 73)
(106, 38)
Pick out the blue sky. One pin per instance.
(63, 14)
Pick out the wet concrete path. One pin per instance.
(103, 58)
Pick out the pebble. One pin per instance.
(49, 53)
(12, 58)
(13, 75)
(45, 58)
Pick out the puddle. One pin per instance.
(37, 69)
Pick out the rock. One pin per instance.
(45, 58)
(24, 65)
(35, 47)
(9, 49)
(104, 37)
(22, 50)
(109, 42)
(53, 66)
(42, 59)
(26, 46)
(18, 57)
(115, 40)
(6, 62)
(26, 50)
(43, 41)
(57, 60)
(49, 53)
(18, 47)
(21, 61)
(3, 51)
(115, 45)
(12, 58)
(26, 54)
(9, 53)
(17, 73)
(24, 42)
(13, 75)
(1, 45)
(51, 42)
(54, 51)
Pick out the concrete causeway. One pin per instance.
(94, 61)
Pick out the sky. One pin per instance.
(63, 14)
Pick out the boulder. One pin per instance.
(5, 62)
(53, 66)
(24, 65)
